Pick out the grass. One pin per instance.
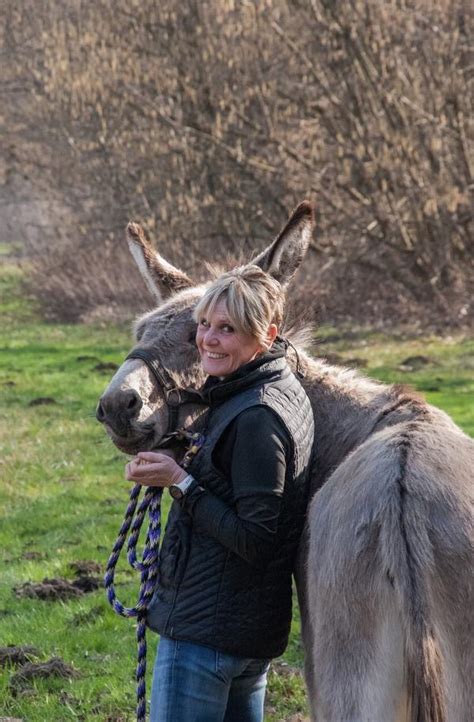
(62, 497)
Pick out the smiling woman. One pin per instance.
(223, 600)
(236, 322)
(221, 346)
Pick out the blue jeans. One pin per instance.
(193, 683)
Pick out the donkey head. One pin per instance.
(133, 407)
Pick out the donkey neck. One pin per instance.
(346, 407)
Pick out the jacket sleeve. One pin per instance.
(259, 451)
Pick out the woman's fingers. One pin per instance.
(145, 471)
(154, 469)
(150, 456)
(151, 473)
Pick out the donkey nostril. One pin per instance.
(132, 403)
(99, 413)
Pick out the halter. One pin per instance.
(174, 396)
(151, 503)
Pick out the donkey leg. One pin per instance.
(358, 647)
(359, 635)
(306, 627)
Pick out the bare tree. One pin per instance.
(209, 121)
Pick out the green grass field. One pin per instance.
(62, 497)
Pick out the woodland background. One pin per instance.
(210, 121)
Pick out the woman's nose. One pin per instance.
(210, 337)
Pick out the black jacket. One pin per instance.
(229, 547)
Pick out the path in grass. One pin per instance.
(62, 496)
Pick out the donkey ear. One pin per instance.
(161, 277)
(282, 258)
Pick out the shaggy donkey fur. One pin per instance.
(385, 570)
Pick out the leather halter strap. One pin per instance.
(174, 396)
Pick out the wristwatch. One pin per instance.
(177, 491)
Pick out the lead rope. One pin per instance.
(148, 565)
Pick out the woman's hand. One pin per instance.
(151, 468)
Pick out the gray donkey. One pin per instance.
(385, 571)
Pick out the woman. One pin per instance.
(223, 601)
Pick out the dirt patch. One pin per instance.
(32, 555)
(85, 567)
(336, 359)
(42, 401)
(106, 366)
(414, 363)
(16, 656)
(85, 357)
(87, 584)
(55, 667)
(58, 589)
(48, 589)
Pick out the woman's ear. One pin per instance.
(272, 334)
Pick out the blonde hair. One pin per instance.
(254, 300)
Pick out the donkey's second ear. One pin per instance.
(161, 277)
(282, 258)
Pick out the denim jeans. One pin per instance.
(193, 683)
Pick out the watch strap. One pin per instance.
(183, 485)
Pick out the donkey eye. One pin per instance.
(139, 332)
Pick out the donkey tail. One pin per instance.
(409, 553)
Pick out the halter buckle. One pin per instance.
(173, 396)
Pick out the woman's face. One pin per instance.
(223, 349)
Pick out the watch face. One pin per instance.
(176, 492)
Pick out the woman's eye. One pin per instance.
(227, 329)
(203, 322)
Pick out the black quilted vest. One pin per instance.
(206, 593)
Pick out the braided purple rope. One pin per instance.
(148, 567)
